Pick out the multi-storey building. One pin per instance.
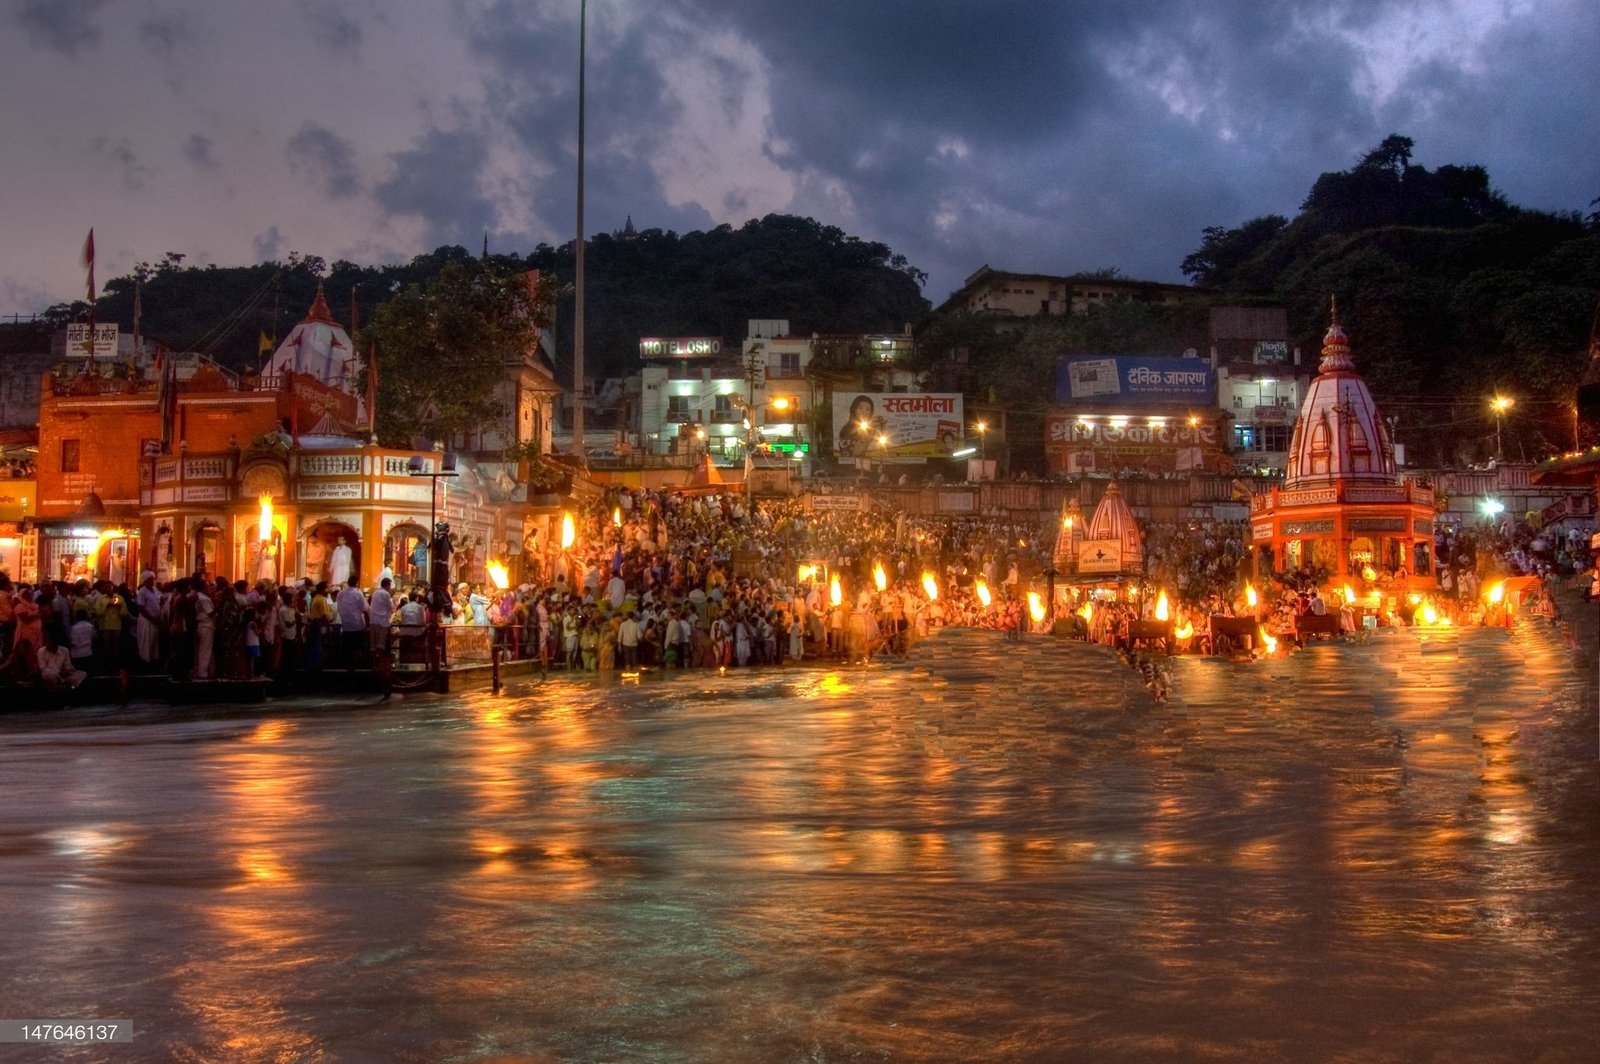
(1260, 382)
(1028, 295)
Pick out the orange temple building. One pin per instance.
(270, 477)
(1343, 507)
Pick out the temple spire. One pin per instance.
(1335, 345)
(319, 307)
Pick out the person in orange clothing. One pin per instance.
(29, 624)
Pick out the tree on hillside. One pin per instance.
(442, 347)
(1447, 290)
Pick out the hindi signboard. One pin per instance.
(1136, 379)
(105, 340)
(1100, 556)
(897, 424)
(851, 503)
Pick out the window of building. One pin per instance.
(678, 407)
(69, 456)
(1261, 438)
(722, 409)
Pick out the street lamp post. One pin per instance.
(1500, 404)
(418, 467)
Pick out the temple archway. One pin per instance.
(204, 546)
(405, 553)
(321, 548)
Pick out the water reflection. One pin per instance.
(1362, 852)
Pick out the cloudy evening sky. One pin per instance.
(1052, 136)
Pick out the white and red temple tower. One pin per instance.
(1343, 507)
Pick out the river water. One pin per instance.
(1384, 851)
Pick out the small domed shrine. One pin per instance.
(1068, 538)
(1112, 543)
(317, 347)
(1343, 508)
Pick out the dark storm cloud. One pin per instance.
(67, 26)
(531, 72)
(332, 27)
(268, 246)
(324, 158)
(171, 37)
(1532, 103)
(438, 181)
(119, 158)
(1073, 136)
(197, 149)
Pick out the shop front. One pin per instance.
(1082, 442)
(74, 549)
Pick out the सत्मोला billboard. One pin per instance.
(1135, 379)
(910, 424)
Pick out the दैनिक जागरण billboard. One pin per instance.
(1135, 379)
(910, 424)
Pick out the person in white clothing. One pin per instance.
(339, 564)
(351, 609)
(146, 632)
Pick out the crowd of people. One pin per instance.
(676, 580)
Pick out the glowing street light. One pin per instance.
(1500, 404)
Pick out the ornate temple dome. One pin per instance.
(1068, 537)
(1113, 520)
(318, 347)
(1339, 436)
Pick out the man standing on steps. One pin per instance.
(380, 616)
(351, 606)
(628, 638)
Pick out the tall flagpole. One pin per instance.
(577, 316)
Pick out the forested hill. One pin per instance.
(1448, 291)
(657, 283)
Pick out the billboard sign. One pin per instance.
(679, 346)
(105, 340)
(909, 424)
(1135, 379)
